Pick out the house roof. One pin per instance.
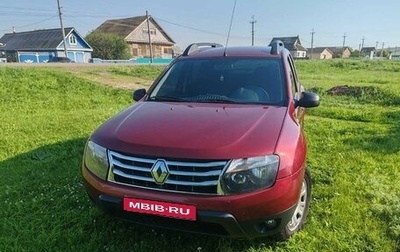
(367, 49)
(34, 40)
(291, 43)
(125, 26)
(338, 50)
(320, 49)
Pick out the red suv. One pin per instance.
(215, 146)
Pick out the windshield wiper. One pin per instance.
(166, 98)
(217, 100)
(213, 99)
(200, 99)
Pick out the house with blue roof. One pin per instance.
(40, 46)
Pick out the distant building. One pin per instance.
(368, 52)
(2, 54)
(394, 52)
(320, 53)
(42, 45)
(340, 51)
(136, 33)
(294, 46)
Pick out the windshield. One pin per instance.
(224, 80)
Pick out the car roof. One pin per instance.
(209, 50)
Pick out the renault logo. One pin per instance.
(160, 171)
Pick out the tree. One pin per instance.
(107, 45)
(385, 53)
(355, 54)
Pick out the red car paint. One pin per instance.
(195, 131)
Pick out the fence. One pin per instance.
(133, 61)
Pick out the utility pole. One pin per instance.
(312, 43)
(148, 30)
(362, 43)
(344, 43)
(383, 45)
(376, 44)
(62, 28)
(252, 22)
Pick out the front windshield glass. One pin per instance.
(224, 80)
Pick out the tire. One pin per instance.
(300, 214)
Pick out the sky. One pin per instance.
(186, 21)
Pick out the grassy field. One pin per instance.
(48, 113)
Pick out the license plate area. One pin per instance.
(171, 210)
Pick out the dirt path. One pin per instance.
(99, 73)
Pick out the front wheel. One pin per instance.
(300, 213)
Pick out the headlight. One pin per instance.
(96, 159)
(249, 174)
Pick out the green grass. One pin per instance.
(47, 115)
(144, 72)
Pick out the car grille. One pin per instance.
(184, 176)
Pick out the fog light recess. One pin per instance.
(268, 225)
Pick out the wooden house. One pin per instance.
(320, 53)
(136, 33)
(340, 51)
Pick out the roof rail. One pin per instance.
(198, 46)
(276, 46)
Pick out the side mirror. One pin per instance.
(139, 94)
(308, 100)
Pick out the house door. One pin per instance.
(71, 56)
(79, 57)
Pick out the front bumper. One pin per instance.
(208, 222)
(249, 215)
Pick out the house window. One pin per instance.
(135, 52)
(72, 39)
(167, 50)
(152, 31)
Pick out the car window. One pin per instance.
(236, 80)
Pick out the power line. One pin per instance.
(191, 28)
(27, 25)
(22, 8)
(24, 13)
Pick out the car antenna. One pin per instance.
(230, 27)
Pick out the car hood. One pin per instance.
(195, 130)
